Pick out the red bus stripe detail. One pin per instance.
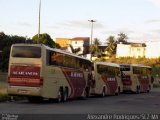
(25, 82)
(111, 85)
(104, 78)
(76, 81)
(70, 84)
(144, 82)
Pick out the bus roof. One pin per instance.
(108, 64)
(140, 65)
(137, 65)
(52, 49)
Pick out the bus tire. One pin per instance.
(60, 95)
(119, 91)
(138, 89)
(86, 93)
(65, 95)
(103, 92)
(149, 88)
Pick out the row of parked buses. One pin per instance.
(37, 71)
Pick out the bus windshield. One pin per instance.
(26, 51)
(124, 68)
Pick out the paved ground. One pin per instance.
(146, 105)
(124, 103)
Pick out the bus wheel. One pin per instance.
(103, 92)
(65, 95)
(149, 88)
(138, 89)
(119, 91)
(60, 96)
(85, 94)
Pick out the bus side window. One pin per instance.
(81, 64)
(78, 63)
(48, 60)
(56, 58)
(52, 60)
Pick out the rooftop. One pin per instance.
(81, 38)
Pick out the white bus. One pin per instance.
(107, 79)
(136, 78)
(37, 71)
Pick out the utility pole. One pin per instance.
(39, 19)
(92, 21)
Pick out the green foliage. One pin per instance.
(56, 45)
(45, 39)
(4, 97)
(7, 40)
(94, 48)
(76, 50)
(112, 45)
(5, 44)
(122, 38)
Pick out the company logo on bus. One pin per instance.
(25, 73)
(111, 79)
(76, 74)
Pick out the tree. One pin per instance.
(112, 45)
(76, 50)
(122, 38)
(94, 48)
(5, 44)
(56, 45)
(44, 39)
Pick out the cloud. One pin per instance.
(25, 24)
(53, 27)
(157, 31)
(124, 30)
(153, 21)
(155, 3)
(80, 24)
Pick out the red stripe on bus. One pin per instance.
(76, 81)
(25, 82)
(104, 78)
(144, 82)
(111, 84)
(70, 84)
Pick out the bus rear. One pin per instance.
(106, 79)
(126, 77)
(24, 75)
(136, 78)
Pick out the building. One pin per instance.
(78, 42)
(82, 43)
(131, 50)
(63, 42)
(152, 50)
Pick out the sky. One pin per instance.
(138, 19)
